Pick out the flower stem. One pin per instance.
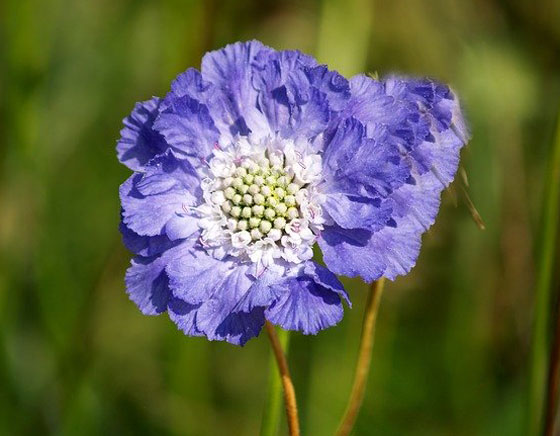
(364, 360)
(289, 392)
(271, 415)
(553, 380)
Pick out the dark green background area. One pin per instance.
(453, 344)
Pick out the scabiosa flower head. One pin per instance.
(245, 165)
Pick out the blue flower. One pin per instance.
(245, 165)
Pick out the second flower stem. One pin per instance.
(364, 360)
(289, 392)
(553, 380)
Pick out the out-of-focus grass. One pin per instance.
(544, 297)
(453, 339)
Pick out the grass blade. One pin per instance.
(540, 340)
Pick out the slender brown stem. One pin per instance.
(289, 392)
(364, 360)
(553, 379)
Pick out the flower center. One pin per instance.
(260, 199)
(261, 203)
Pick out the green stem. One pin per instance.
(364, 360)
(553, 380)
(540, 340)
(273, 405)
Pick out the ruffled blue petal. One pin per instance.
(147, 283)
(191, 84)
(139, 142)
(309, 118)
(423, 120)
(233, 102)
(294, 95)
(355, 212)
(392, 250)
(260, 293)
(238, 327)
(360, 174)
(145, 246)
(359, 164)
(184, 315)
(188, 128)
(148, 215)
(332, 84)
(347, 252)
(210, 312)
(438, 108)
(229, 69)
(387, 252)
(195, 276)
(217, 317)
(309, 302)
(373, 106)
(323, 277)
(215, 288)
(164, 191)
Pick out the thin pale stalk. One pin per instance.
(271, 416)
(289, 391)
(364, 360)
(540, 340)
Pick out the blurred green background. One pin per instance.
(453, 345)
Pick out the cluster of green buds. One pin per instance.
(259, 198)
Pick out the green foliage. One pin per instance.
(543, 297)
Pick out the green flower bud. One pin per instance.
(256, 234)
(265, 226)
(258, 199)
(280, 192)
(290, 200)
(254, 222)
(279, 223)
(237, 199)
(292, 188)
(281, 209)
(292, 213)
(229, 193)
(246, 212)
(258, 210)
(240, 172)
(282, 181)
(235, 212)
(226, 206)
